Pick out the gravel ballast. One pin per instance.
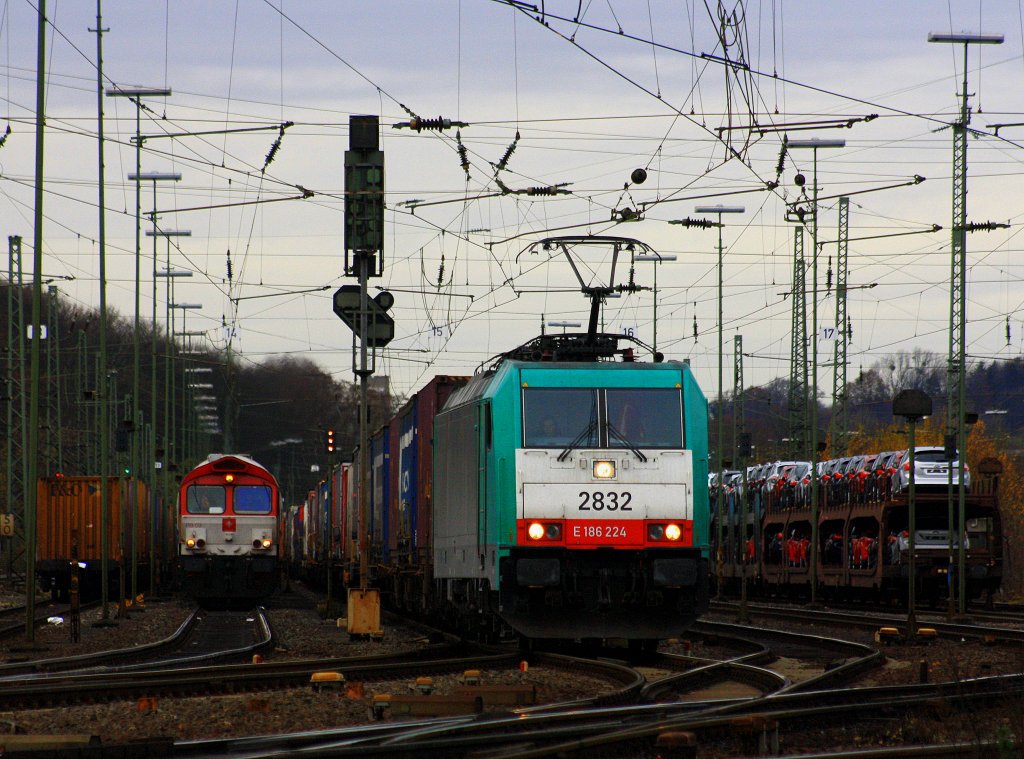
(300, 633)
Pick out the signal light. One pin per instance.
(330, 441)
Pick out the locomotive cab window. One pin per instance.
(252, 499)
(650, 418)
(205, 499)
(559, 417)
(606, 418)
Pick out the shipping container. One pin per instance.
(69, 520)
(411, 529)
(380, 492)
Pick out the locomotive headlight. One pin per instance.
(553, 531)
(535, 531)
(200, 544)
(190, 542)
(660, 532)
(604, 470)
(267, 542)
(229, 478)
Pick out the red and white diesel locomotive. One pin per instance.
(228, 511)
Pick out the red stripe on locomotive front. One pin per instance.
(604, 533)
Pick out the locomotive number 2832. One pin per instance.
(605, 500)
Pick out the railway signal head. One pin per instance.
(330, 441)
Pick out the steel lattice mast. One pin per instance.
(955, 385)
(742, 448)
(798, 352)
(16, 397)
(957, 365)
(840, 434)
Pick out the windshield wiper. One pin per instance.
(578, 440)
(618, 435)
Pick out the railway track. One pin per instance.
(728, 690)
(662, 705)
(128, 683)
(867, 620)
(678, 687)
(203, 637)
(12, 618)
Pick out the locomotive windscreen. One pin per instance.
(645, 418)
(558, 417)
(252, 499)
(205, 499)
(609, 418)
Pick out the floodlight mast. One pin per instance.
(966, 38)
(154, 177)
(719, 460)
(563, 324)
(657, 258)
(956, 405)
(169, 276)
(186, 451)
(136, 94)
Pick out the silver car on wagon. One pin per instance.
(931, 470)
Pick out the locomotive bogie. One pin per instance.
(611, 593)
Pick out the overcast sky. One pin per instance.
(590, 105)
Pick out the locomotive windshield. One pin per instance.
(645, 418)
(252, 499)
(205, 499)
(608, 418)
(557, 417)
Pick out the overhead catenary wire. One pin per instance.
(518, 215)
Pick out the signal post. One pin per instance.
(369, 321)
